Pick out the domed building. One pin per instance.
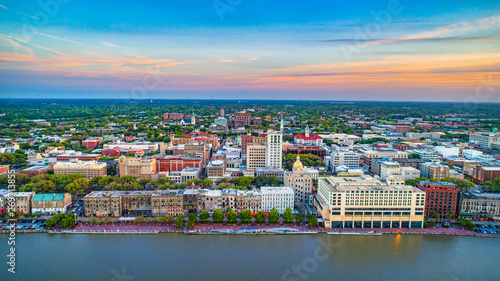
(300, 183)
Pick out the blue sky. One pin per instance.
(331, 50)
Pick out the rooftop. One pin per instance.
(49, 197)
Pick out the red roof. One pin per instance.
(310, 137)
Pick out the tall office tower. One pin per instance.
(274, 151)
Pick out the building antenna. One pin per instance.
(281, 125)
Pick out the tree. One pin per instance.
(299, 218)
(78, 186)
(434, 214)
(246, 216)
(492, 185)
(207, 183)
(288, 215)
(169, 219)
(191, 223)
(139, 219)
(244, 181)
(450, 214)
(466, 223)
(179, 221)
(218, 216)
(464, 185)
(232, 217)
(192, 216)
(273, 216)
(204, 215)
(260, 217)
(312, 221)
(67, 222)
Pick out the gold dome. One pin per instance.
(297, 166)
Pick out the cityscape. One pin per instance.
(230, 140)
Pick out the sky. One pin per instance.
(391, 50)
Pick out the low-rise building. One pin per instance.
(167, 202)
(36, 170)
(480, 205)
(481, 173)
(103, 204)
(248, 200)
(50, 203)
(89, 169)
(281, 197)
(136, 167)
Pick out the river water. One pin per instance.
(251, 257)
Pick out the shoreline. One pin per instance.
(232, 230)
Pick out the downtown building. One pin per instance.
(433, 170)
(89, 169)
(50, 203)
(365, 202)
(300, 182)
(136, 167)
(480, 205)
(281, 197)
(440, 197)
(274, 149)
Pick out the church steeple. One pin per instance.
(307, 130)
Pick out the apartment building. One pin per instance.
(167, 202)
(103, 204)
(89, 169)
(433, 170)
(209, 200)
(22, 201)
(248, 200)
(136, 203)
(281, 197)
(365, 202)
(216, 169)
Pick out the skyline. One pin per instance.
(283, 50)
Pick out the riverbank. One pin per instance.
(154, 228)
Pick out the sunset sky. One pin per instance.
(251, 49)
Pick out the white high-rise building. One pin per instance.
(274, 151)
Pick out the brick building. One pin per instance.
(440, 197)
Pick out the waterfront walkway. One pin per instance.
(157, 227)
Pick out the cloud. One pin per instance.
(234, 60)
(26, 15)
(2, 6)
(107, 44)
(59, 38)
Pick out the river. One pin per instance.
(251, 257)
